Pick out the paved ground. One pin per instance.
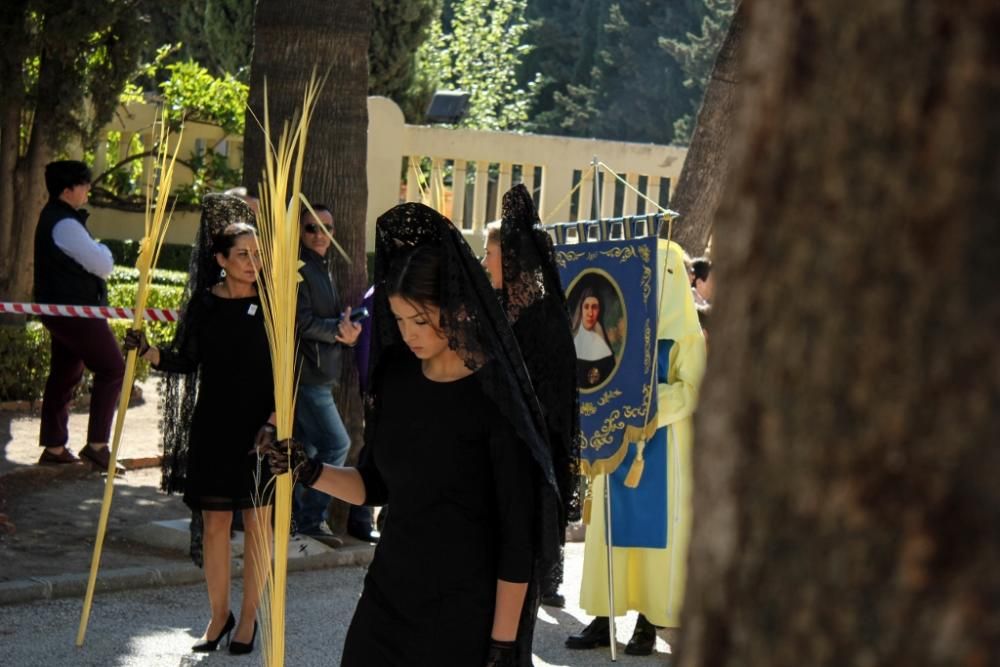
(152, 619)
(154, 627)
(55, 509)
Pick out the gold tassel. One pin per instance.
(587, 503)
(638, 465)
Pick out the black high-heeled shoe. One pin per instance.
(212, 644)
(239, 648)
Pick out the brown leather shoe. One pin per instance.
(99, 457)
(48, 458)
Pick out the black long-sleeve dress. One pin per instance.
(227, 342)
(441, 452)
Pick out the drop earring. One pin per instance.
(222, 273)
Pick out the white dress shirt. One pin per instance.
(72, 238)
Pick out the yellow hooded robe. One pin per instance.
(650, 579)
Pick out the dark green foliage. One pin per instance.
(399, 27)
(696, 55)
(24, 361)
(559, 54)
(635, 91)
(25, 348)
(218, 34)
(173, 257)
(610, 67)
(62, 53)
(128, 274)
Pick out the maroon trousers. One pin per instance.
(77, 343)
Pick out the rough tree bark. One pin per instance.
(287, 45)
(847, 510)
(699, 187)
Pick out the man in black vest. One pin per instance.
(71, 268)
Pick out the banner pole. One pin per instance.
(611, 569)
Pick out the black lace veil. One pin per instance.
(178, 392)
(532, 295)
(477, 329)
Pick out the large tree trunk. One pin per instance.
(22, 195)
(847, 510)
(699, 187)
(330, 36)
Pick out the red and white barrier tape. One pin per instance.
(99, 312)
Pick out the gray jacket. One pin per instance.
(317, 318)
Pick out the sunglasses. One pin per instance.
(313, 228)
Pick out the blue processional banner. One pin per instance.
(611, 293)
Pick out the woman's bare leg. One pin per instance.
(217, 568)
(257, 562)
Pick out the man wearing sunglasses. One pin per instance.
(323, 329)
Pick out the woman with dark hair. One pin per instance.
(594, 358)
(453, 431)
(521, 264)
(225, 341)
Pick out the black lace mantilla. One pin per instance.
(478, 330)
(178, 393)
(533, 297)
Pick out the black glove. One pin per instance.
(304, 469)
(135, 339)
(266, 436)
(501, 654)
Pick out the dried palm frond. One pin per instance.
(278, 229)
(156, 221)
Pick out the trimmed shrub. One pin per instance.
(173, 256)
(25, 349)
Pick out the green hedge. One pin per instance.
(25, 348)
(173, 256)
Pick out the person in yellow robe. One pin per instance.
(651, 524)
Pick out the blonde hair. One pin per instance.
(493, 232)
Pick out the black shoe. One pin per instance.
(643, 638)
(48, 458)
(323, 534)
(212, 644)
(363, 532)
(100, 458)
(555, 599)
(594, 635)
(239, 648)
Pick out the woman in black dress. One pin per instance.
(454, 439)
(226, 343)
(520, 260)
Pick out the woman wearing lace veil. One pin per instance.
(218, 394)
(454, 434)
(519, 258)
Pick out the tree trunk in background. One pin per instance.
(288, 43)
(847, 509)
(22, 195)
(699, 187)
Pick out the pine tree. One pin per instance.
(399, 27)
(635, 91)
(696, 55)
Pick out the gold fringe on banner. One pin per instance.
(157, 219)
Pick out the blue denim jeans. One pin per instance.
(320, 429)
